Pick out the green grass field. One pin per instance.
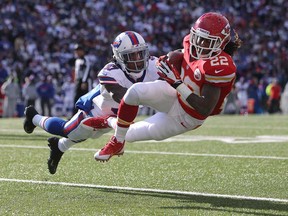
(232, 165)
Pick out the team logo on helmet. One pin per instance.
(116, 44)
(226, 30)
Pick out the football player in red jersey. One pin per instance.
(185, 98)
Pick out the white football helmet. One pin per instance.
(131, 52)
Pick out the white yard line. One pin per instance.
(197, 138)
(260, 127)
(234, 126)
(151, 190)
(224, 139)
(156, 152)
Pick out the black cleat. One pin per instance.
(55, 154)
(29, 113)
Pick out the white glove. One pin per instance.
(168, 72)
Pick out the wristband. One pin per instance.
(184, 90)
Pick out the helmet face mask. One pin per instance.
(202, 45)
(135, 61)
(131, 53)
(209, 36)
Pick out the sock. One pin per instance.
(126, 115)
(39, 120)
(120, 133)
(112, 122)
(64, 144)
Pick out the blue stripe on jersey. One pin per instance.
(85, 102)
(106, 79)
(73, 124)
(55, 125)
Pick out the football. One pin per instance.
(175, 58)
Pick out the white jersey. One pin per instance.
(103, 103)
(112, 74)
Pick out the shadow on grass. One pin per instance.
(218, 204)
(25, 137)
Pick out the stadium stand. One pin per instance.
(38, 36)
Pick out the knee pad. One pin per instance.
(85, 130)
(74, 129)
(80, 133)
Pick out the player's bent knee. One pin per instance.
(131, 97)
(80, 133)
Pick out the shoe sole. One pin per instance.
(52, 168)
(28, 131)
(106, 160)
(28, 124)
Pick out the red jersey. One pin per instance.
(218, 71)
(275, 92)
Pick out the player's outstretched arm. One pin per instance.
(117, 91)
(205, 103)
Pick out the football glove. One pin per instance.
(168, 72)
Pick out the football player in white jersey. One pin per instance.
(131, 64)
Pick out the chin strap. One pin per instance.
(136, 76)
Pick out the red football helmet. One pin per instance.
(209, 35)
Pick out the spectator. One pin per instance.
(42, 33)
(262, 95)
(3, 74)
(274, 93)
(46, 93)
(68, 90)
(254, 96)
(11, 90)
(29, 91)
(242, 95)
(231, 105)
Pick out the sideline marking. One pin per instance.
(155, 152)
(225, 139)
(151, 190)
(195, 138)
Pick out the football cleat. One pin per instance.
(97, 122)
(29, 113)
(113, 147)
(55, 154)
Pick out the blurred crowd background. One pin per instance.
(37, 39)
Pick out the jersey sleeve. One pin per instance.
(220, 75)
(108, 74)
